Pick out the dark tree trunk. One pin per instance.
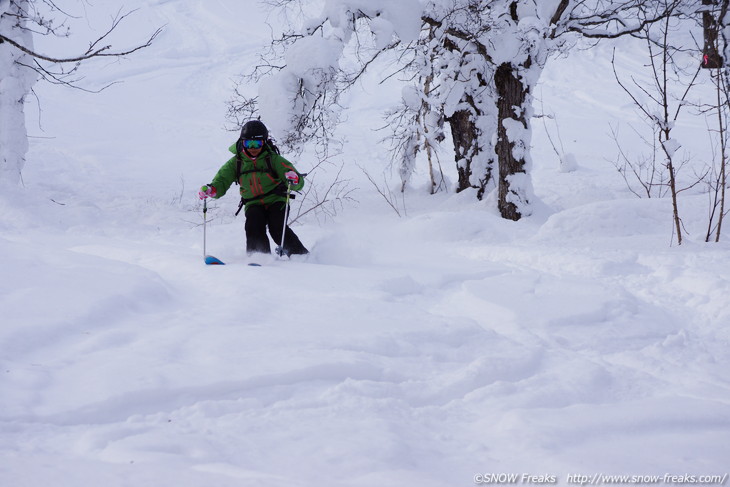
(464, 135)
(511, 105)
(711, 58)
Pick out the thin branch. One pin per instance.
(92, 52)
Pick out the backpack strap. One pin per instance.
(239, 163)
(277, 190)
(269, 169)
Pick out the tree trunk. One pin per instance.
(464, 134)
(711, 58)
(16, 82)
(510, 107)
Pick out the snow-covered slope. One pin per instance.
(431, 349)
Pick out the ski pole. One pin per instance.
(205, 220)
(209, 259)
(286, 219)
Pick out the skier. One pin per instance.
(264, 177)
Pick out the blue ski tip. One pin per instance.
(254, 264)
(210, 260)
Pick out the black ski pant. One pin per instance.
(258, 218)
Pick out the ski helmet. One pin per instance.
(254, 129)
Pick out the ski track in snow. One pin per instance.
(403, 351)
(421, 364)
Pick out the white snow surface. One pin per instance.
(430, 349)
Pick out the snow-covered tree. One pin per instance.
(716, 53)
(16, 82)
(21, 67)
(474, 64)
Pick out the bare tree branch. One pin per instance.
(100, 52)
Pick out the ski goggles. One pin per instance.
(253, 143)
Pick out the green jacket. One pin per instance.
(258, 185)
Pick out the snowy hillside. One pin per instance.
(432, 349)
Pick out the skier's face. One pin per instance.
(253, 146)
